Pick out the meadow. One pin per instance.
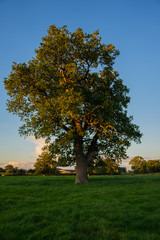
(53, 207)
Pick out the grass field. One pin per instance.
(109, 208)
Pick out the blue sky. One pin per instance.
(132, 26)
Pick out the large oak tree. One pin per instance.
(70, 90)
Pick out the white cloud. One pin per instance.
(125, 163)
(39, 143)
(25, 165)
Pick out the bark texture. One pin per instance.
(81, 162)
(81, 176)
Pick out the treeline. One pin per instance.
(108, 166)
(98, 169)
(45, 165)
(140, 165)
(15, 171)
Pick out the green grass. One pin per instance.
(109, 208)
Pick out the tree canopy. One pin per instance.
(106, 166)
(11, 170)
(140, 165)
(70, 90)
(45, 164)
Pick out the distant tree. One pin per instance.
(15, 170)
(2, 170)
(153, 166)
(45, 164)
(138, 164)
(9, 166)
(122, 170)
(111, 166)
(71, 91)
(9, 169)
(108, 166)
(100, 167)
(21, 171)
(30, 171)
(129, 172)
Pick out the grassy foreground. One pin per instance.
(109, 208)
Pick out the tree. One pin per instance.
(153, 166)
(111, 166)
(94, 164)
(106, 166)
(20, 171)
(122, 170)
(97, 166)
(9, 169)
(2, 170)
(45, 164)
(138, 164)
(30, 171)
(70, 90)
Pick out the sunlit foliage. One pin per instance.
(70, 90)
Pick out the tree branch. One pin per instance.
(92, 149)
(86, 72)
(65, 128)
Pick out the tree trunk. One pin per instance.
(81, 167)
(81, 161)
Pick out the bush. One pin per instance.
(30, 171)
